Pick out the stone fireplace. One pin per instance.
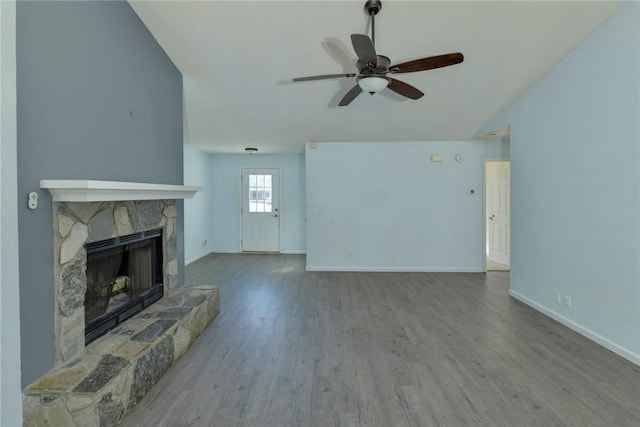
(77, 226)
(132, 228)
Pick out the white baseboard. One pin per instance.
(237, 251)
(593, 336)
(396, 269)
(196, 258)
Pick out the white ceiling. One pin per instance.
(238, 59)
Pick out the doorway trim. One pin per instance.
(485, 219)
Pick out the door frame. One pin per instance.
(485, 217)
(241, 200)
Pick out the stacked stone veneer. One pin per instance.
(78, 223)
(116, 370)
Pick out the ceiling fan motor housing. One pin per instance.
(382, 66)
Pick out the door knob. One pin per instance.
(491, 217)
(275, 216)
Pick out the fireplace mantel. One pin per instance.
(84, 190)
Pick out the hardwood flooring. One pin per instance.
(291, 348)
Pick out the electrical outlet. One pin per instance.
(557, 296)
(567, 301)
(348, 255)
(204, 242)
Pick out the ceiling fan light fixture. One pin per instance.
(373, 84)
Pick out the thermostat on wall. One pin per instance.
(436, 158)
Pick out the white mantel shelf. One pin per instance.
(83, 190)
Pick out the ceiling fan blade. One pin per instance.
(350, 96)
(364, 48)
(324, 76)
(428, 63)
(404, 89)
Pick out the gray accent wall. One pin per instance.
(97, 98)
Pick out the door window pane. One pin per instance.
(260, 190)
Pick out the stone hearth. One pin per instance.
(118, 369)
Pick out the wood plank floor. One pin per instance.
(291, 348)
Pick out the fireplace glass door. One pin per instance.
(124, 275)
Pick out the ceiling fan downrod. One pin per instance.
(372, 7)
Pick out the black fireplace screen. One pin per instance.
(124, 276)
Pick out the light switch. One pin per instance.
(316, 212)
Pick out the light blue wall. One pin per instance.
(575, 153)
(10, 388)
(198, 212)
(387, 206)
(225, 187)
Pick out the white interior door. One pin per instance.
(499, 211)
(260, 210)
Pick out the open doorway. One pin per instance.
(497, 214)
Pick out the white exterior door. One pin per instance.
(499, 211)
(260, 210)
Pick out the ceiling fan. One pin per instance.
(373, 69)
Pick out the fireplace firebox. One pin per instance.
(124, 276)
